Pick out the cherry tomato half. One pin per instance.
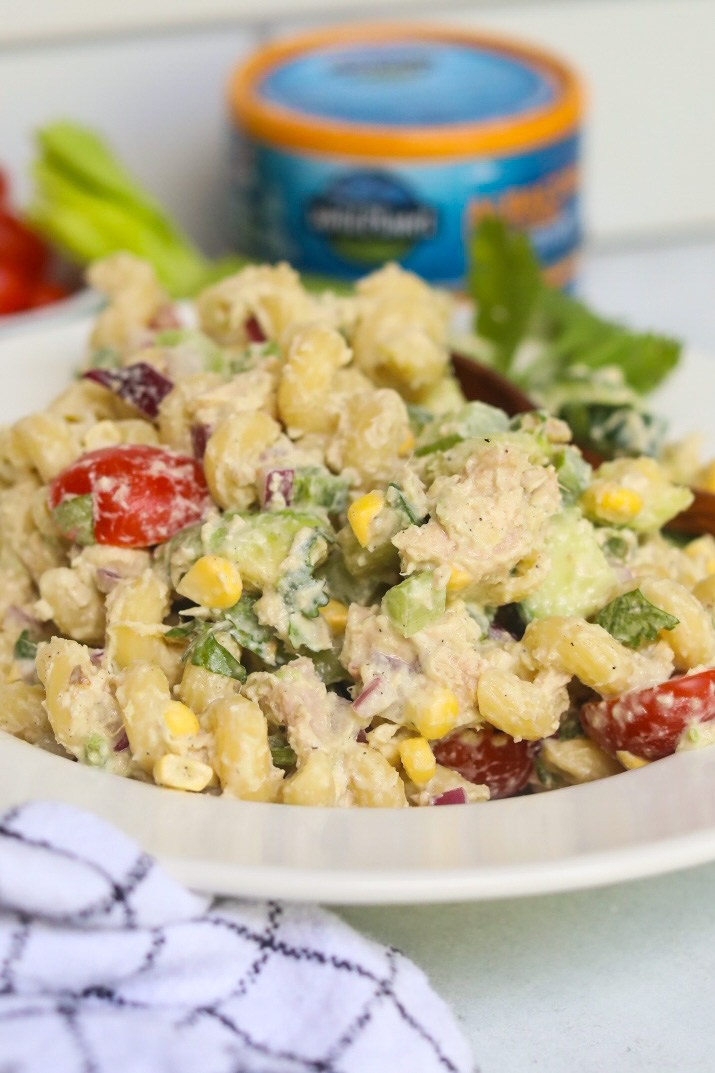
(132, 496)
(649, 722)
(488, 756)
(15, 289)
(21, 247)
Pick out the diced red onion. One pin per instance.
(361, 736)
(455, 796)
(277, 482)
(16, 617)
(200, 435)
(254, 332)
(395, 662)
(165, 319)
(105, 579)
(371, 686)
(498, 633)
(141, 385)
(122, 742)
(96, 655)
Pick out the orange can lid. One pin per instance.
(404, 90)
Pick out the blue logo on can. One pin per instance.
(368, 217)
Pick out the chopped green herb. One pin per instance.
(282, 754)
(397, 498)
(105, 357)
(96, 750)
(442, 444)
(25, 648)
(74, 518)
(207, 652)
(419, 417)
(616, 547)
(248, 631)
(633, 620)
(570, 727)
(178, 633)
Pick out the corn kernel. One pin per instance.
(335, 614)
(212, 582)
(706, 478)
(180, 720)
(629, 761)
(418, 760)
(458, 580)
(433, 711)
(407, 444)
(620, 503)
(361, 514)
(182, 773)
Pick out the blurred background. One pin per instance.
(151, 75)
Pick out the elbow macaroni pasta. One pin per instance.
(331, 628)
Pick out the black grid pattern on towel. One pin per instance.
(264, 946)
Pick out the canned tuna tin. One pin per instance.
(363, 144)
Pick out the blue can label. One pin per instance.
(335, 216)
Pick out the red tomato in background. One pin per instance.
(649, 722)
(141, 495)
(15, 290)
(20, 247)
(4, 188)
(488, 756)
(45, 293)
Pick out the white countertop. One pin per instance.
(620, 980)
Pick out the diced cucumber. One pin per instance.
(473, 419)
(258, 543)
(614, 429)
(580, 580)
(341, 585)
(179, 554)
(381, 564)
(315, 486)
(414, 603)
(190, 351)
(573, 472)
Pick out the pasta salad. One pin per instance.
(276, 554)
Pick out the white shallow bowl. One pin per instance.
(640, 823)
(75, 306)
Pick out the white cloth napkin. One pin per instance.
(109, 966)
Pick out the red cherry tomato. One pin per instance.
(21, 247)
(15, 290)
(46, 292)
(140, 495)
(488, 756)
(649, 722)
(4, 188)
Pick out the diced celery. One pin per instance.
(414, 603)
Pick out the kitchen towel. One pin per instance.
(109, 966)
